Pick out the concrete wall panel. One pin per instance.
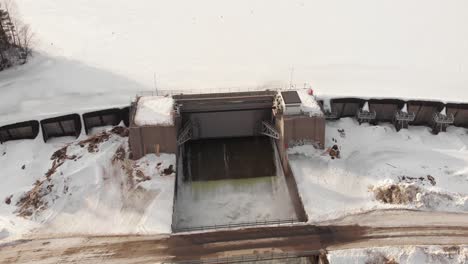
(424, 111)
(346, 107)
(22, 130)
(282, 146)
(125, 114)
(460, 113)
(135, 144)
(385, 108)
(304, 127)
(68, 125)
(144, 140)
(107, 117)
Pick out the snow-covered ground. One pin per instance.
(91, 189)
(48, 87)
(401, 255)
(413, 168)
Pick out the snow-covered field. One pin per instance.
(92, 190)
(428, 172)
(100, 53)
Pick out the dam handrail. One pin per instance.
(212, 90)
(250, 258)
(236, 225)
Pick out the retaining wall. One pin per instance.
(385, 109)
(281, 145)
(125, 114)
(145, 139)
(22, 130)
(460, 113)
(68, 125)
(346, 107)
(424, 111)
(108, 117)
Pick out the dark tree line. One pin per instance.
(15, 39)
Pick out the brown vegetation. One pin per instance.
(396, 193)
(121, 131)
(93, 142)
(33, 199)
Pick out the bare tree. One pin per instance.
(15, 36)
(25, 36)
(10, 7)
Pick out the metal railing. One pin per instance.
(404, 116)
(269, 130)
(330, 115)
(213, 90)
(443, 119)
(235, 225)
(366, 115)
(251, 258)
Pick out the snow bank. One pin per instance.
(401, 255)
(154, 110)
(95, 191)
(378, 156)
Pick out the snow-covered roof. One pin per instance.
(309, 104)
(154, 110)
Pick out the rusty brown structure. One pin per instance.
(459, 112)
(225, 115)
(62, 126)
(385, 109)
(424, 111)
(125, 113)
(296, 129)
(346, 107)
(106, 117)
(22, 130)
(150, 138)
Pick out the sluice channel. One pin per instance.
(230, 181)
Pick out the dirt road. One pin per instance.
(382, 228)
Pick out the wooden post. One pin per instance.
(157, 150)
